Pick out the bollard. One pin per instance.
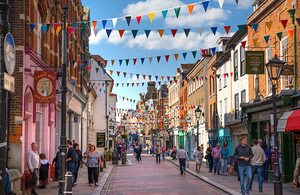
(104, 161)
(101, 165)
(68, 183)
(124, 159)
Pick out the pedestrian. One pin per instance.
(265, 167)
(79, 154)
(43, 170)
(147, 149)
(8, 184)
(257, 161)
(71, 160)
(216, 156)
(183, 157)
(224, 156)
(243, 153)
(55, 163)
(34, 163)
(198, 157)
(174, 153)
(296, 178)
(138, 154)
(194, 156)
(209, 157)
(259, 142)
(163, 151)
(122, 148)
(158, 152)
(93, 161)
(119, 149)
(153, 150)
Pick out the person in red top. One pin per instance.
(163, 151)
(123, 148)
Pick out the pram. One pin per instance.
(173, 155)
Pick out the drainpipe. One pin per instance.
(292, 15)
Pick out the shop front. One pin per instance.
(212, 137)
(224, 137)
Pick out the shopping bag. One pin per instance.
(187, 165)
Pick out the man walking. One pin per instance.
(216, 155)
(257, 161)
(243, 153)
(34, 164)
(163, 151)
(182, 156)
(158, 152)
(71, 160)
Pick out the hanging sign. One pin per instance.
(100, 140)
(255, 62)
(287, 70)
(44, 87)
(9, 53)
(9, 82)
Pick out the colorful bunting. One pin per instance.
(120, 61)
(279, 35)
(75, 25)
(151, 15)
(142, 60)
(254, 41)
(44, 28)
(158, 58)
(127, 61)
(174, 31)
(58, 30)
(177, 10)
(134, 61)
(138, 18)
(104, 23)
(150, 59)
(96, 32)
(241, 28)
(255, 26)
(71, 29)
(191, 7)
(227, 29)
(112, 62)
(121, 32)
(269, 25)
(114, 21)
(200, 30)
(186, 31)
(108, 31)
(291, 32)
(267, 38)
(164, 13)
(161, 32)
(94, 24)
(194, 54)
(167, 58)
(213, 50)
(284, 23)
(214, 30)
(184, 55)
(134, 32)
(176, 56)
(205, 5)
(244, 44)
(128, 19)
(147, 32)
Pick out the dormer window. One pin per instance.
(256, 4)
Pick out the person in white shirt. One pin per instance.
(183, 157)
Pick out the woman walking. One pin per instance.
(158, 152)
(93, 159)
(198, 156)
(210, 157)
(79, 154)
(265, 167)
(224, 156)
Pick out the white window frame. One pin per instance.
(283, 85)
(268, 86)
(39, 34)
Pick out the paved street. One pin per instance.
(147, 177)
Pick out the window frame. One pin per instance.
(235, 66)
(242, 61)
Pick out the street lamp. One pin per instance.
(198, 113)
(274, 68)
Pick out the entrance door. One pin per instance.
(181, 140)
(38, 131)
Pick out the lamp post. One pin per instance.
(198, 113)
(274, 67)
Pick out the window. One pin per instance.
(221, 114)
(220, 83)
(225, 111)
(256, 86)
(236, 106)
(243, 99)
(39, 35)
(225, 82)
(284, 57)
(268, 82)
(212, 114)
(235, 65)
(242, 58)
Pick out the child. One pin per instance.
(43, 170)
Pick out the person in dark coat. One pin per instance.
(55, 163)
(79, 154)
(43, 170)
(138, 154)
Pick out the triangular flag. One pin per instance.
(255, 26)
(82, 66)
(120, 61)
(124, 73)
(224, 48)
(75, 25)
(149, 77)
(291, 31)
(284, 23)
(56, 26)
(231, 74)
(118, 73)
(104, 23)
(191, 7)
(176, 56)
(269, 25)
(221, 2)
(164, 13)
(104, 71)
(138, 18)
(203, 52)
(214, 30)
(137, 76)
(298, 20)
(151, 16)
(108, 31)
(174, 31)
(128, 19)
(150, 59)
(154, 83)
(241, 28)
(127, 61)
(167, 58)
(142, 60)
(158, 58)
(184, 55)
(244, 44)
(134, 61)
(168, 78)
(114, 21)
(58, 30)
(121, 32)
(44, 28)
(156, 77)
(279, 35)
(71, 29)
(177, 10)
(94, 24)
(205, 5)
(227, 29)
(134, 32)
(147, 32)
(83, 25)
(144, 76)
(112, 62)
(161, 32)
(194, 54)
(200, 30)
(162, 78)
(137, 84)
(48, 26)
(111, 72)
(267, 38)
(254, 41)
(85, 62)
(237, 2)
(97, 70)
(213, 50)
(130, 75)
(90, 68)
(96, 32)
(187, 31)
(74, 64)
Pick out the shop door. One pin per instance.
(181, 140)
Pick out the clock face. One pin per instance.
(9, 53)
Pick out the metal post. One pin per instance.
(4, 28)
(63, 138)
(277, 175)
(68, 183)
(197, 132)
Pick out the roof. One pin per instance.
(189, 66)
(97, 58)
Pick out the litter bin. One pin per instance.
(115, 158)
(124, 158)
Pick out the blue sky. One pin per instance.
(115, 48)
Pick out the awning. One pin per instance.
(289, 121)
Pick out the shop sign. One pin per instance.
(100, 140)
(9, 82)
(255, 62)
(44, 87)
(287, 70)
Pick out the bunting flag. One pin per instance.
(254, 41)
(158, 58)
(255, 26)
(244, 44)
(167, 58)
(221, 2)
(164, 13)
(147, 32)
(128, 19)
(114, 21)
(104, 71)
(177, 10)
(150, 60)
(120, 61)
(130, 75)
(138, 18)
(48, 26)
(298, 20)
(96, 32)
(104, 23)
(176, 56)
(203, 52)
(112, 62)
(111, 72)
(284, 23)
(151, 15)
(205, 5)
(291, 32)
(90, 68)
(184, 55)
(194, 54)
(267, 38)
(127, 61)
(241, 28)
(213, 50)
(214, 30)
(71, 29)
(83, 25)
(142, 60)
(186, 31)
(97, 70)
(58, 30)
(161, 32)
(191, 7)
(75, 25)
(134, 32)
(223, 48)
(56, 26)
(108, 32)
(45, 29)
(200, 30)
(174, 31)
(134, 61)
(269, 25)
(227, 29)
(121, 32)
(279, 35)
(124, 73)
(94, 24)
